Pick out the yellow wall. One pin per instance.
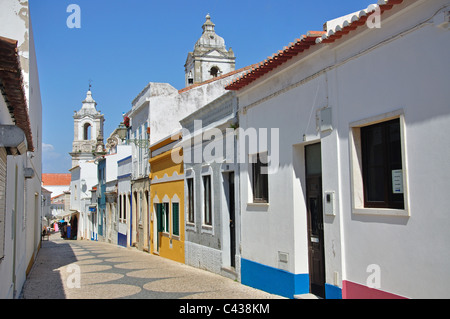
(171, 246)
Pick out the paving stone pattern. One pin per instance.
(106, 271)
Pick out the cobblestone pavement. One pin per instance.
(70, 269)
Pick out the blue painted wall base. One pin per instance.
(332, 292)
(122, 240)
(280, 282)
(273, 280)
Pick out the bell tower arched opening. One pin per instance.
(87, 132)
(214, 71)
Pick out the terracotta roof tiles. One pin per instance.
(306, 41)
(56, 179)
(11, 86)
(215, 79)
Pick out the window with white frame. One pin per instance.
(120, 207)
(176, 219)
(165, 225)
(144, 137)
(140, 207)
(124, 202)
(378, 165)
(259, 178)
(190, 200)
(207, 200)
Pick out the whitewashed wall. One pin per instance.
(412, 252)
(375, 72)
(15, 23)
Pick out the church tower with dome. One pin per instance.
(210, 57)
(88, 131)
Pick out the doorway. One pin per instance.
(159, 225)
(316, 258)
(231, 209)
(162, 221)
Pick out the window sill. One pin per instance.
(190, 226)
(258, 204)
(381, 212)
(257, 207)
(207, 229)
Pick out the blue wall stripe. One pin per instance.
(124, 159)
(273, 280)
(124, 176)
(332, 292)
(122, 240)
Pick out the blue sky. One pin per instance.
(123, 45)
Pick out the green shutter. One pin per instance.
(175, 219)
(159, 217)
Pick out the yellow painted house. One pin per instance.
(167, 200)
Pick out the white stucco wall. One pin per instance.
(15, 24)
(84, 177)
(375, 72)
(111, 162)
(284, 218)
(75, 188)
(163, 106)
(412, 251)
(124, 167)
(57, 189)
(14, 261)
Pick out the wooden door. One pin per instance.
(231, 205)
(315, 220)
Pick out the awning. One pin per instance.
(63, 214)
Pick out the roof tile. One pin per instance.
(51, 179)
(306, 41)
(12, 87)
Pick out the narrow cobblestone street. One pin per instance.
(106, 271)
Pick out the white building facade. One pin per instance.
(156, 112)
(211, 187)
(84, 177)
(124, 200)
(356, 206)
(112, 212)
(87, 143)
(20, 149)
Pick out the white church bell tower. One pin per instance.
(210, 57)
(88, 131)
